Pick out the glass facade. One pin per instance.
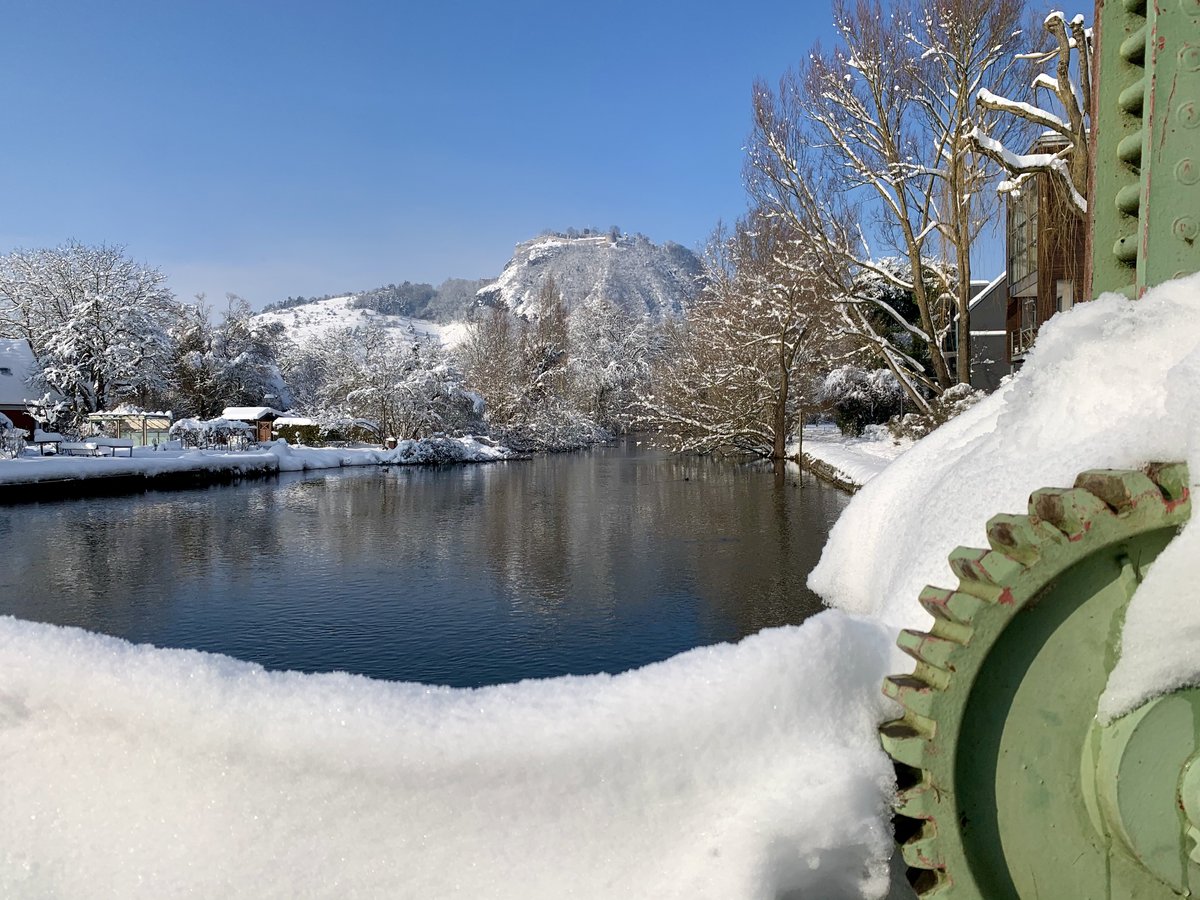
(1023, 232)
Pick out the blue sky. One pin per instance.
(274, 149)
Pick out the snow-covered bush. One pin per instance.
(437, 450)
(951, 403)
(857, 398)
(12, 440)
(212, 433)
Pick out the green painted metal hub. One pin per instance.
(1139, 785)
(999, 712)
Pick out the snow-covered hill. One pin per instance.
(312, 320)
(632, 272)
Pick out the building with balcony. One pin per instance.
(1045, 244)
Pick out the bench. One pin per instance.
(76, 448)
(42, 438)
(112, 445)
(95, 447)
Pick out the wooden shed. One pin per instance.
(261, 418)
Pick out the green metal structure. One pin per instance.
(1008, 785)
(1146, 216)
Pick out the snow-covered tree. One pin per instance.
(610, 352)
(868, 144)
(231, 363)
(405, 388)
(737, 373)
(527, 370)
(1067, 114)
(98, 322)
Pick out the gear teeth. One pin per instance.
(952, 607)
(931, 883)
(915, 694)
(982, 573)
(1172, 480)
(904, 742)
(1122, 490)
(1026, 553)
(921, 850)
(1070, 510)
(1019, 538)
(922, 801)
(932, 650)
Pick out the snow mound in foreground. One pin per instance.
(1111, 384)
(734, 771)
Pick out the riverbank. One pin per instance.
(846, 462)
(33, 477)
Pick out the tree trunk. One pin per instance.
(779, 451)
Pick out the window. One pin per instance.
(1023, 232)
(5, 370)
(1064, 296)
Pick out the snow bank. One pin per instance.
(32, 468)
(427, 451)
(276, 456)
(1112, 383)
(734, 771)
(856, 460)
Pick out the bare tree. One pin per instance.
(735, 375)
(491, 356)
(869, 143)
(1068, 162)
(522, 369)
(860, 100)
(788, 177)
(959, 45)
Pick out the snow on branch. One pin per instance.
(1066, 160)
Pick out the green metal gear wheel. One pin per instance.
(1008, 787)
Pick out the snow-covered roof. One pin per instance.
(991, 285)
(128, 409)
(16, 367)
(250, 413)
(125, 411)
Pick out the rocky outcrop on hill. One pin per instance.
(631, 272)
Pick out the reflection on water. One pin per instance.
(468, 575)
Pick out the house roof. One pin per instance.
(991, 286)
(249, 413)
(17, 366)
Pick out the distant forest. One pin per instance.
(450, 300)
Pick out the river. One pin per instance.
(465, 575)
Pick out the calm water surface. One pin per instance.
(466, 575)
